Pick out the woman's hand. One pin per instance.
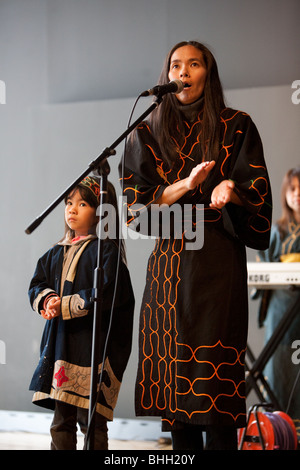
(223, 193)
(199, 174)
(176, 190)
(52, 308)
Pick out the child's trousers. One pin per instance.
(63, 429)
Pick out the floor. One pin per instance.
(30, 431)
(31, 441)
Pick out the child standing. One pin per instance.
(62, 292)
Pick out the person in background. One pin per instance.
(61, 291)
(281, 372)
(195, 152)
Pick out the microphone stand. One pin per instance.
(101, 166)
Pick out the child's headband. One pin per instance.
(93, 185)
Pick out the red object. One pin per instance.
(252, 439)
(61, 377)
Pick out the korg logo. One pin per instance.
(257, 278)
(2, 92)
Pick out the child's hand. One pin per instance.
(52, 308)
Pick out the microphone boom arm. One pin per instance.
(107, 152)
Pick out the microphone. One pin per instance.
(176, 86)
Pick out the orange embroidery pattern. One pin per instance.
(162, 386)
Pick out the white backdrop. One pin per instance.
(67, 137)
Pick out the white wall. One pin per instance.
(44, 146)
(63, 139)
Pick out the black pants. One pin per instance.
(63, 429)
(190, 437)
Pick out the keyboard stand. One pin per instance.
(255, 372)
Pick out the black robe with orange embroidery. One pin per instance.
(194, 313)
